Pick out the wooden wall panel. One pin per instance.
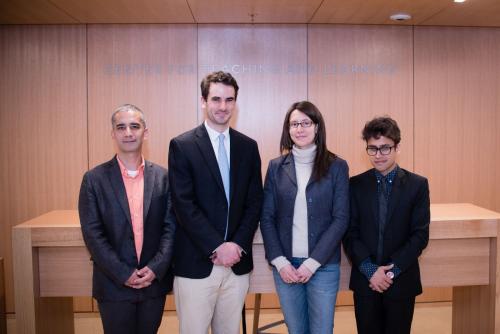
(43, 128)
(263, 59)
(457, 113)
(151, 66)
(356, 73)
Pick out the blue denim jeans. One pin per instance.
(309, 308)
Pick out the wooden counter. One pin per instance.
(51, 264)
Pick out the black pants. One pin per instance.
(127, 317)
(377, 314)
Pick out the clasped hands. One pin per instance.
(291, 275)
(227, 254)
(379, 281)
(141, 278)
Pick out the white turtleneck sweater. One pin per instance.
(304, 162)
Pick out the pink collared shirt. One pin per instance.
(134, 186)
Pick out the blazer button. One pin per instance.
(310, 200)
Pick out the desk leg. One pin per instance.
(476, 308)
(256, 313)
(33, 313)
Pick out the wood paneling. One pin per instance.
(484, 13)
(127, 11)
(43, 129)
(263, 59)
(377, 11)
(253, 11)
(151, 66)
(356, 73)
(457, 113)
(32, 12)
(3, 321)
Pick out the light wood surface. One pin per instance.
(253, 11)
(127, 11)
(259, 56)
(456, 113)
(358, 73)
(151, 66)
(32, 12)
(43, 128)
(423, 12)
(52, 246)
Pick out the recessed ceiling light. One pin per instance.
(400, 17)
(458, 0)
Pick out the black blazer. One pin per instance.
(327, 208)
(107, 231)
(200, 203)
(406, 231)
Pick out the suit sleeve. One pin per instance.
(268, 228)
(405, 256)
(160, 263)
(355, 249)
(253, 203)
(94, 235)
(189, 216)
(332, 237)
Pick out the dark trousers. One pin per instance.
(377, 314)
(127, 317)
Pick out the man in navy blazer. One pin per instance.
(128, 228)
(215, 177)
(389, 228)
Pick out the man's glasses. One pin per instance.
(384, 150)
(304, 123)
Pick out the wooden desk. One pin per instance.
(51, 265)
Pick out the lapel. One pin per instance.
(115, 178)
(395, 193)
(236, 152)
(149, 181)
(288, 166)
(207, 151)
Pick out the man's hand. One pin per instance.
(141, 278)
(289, 274)
(304, 274)
(379, 281)
(227, 254)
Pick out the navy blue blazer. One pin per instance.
(107, 231)
(406, 232)
(327, 210)
(200, 203)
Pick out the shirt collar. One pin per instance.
(124, 170)
(389, 177)
(214, 135)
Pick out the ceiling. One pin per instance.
(484, 13)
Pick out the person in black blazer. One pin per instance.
(128, 228)
(388, 230)
(304, 217)
(215, 177)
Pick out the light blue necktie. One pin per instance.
(224, 165)
(224, 173)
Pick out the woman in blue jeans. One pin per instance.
(304, 216)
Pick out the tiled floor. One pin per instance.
(430, 318)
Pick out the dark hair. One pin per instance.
(218, 77)
(324, 158)
(382, 126)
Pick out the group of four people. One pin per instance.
(196, 224)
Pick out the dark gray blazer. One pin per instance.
(107, 231)
(327, 210)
